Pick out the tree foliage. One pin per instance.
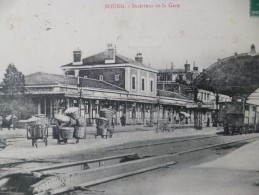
(21, 105)
(13, 100)
(13, 81)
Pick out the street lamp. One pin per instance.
(79, 89)
(158, 112)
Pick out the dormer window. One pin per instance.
(101, 77)
(117, 77)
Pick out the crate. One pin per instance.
(80, 132)
(67, 132)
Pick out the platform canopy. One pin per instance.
(237, 75)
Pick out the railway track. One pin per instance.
(71, 176)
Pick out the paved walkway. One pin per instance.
(21, 148)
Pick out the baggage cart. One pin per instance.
(36, 132)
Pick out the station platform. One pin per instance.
(21, 148)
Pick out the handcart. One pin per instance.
(102, 127)
(69, 126)
(63, 134)
(105, 124)
(36, 132)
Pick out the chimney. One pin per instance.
(110, 54)
(187, 67)
(252, 51)
(196, 68)
(172, 65)
(139, 58)
(77, 55)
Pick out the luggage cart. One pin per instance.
(63, 134)
(36, 132)
(105, 123)
(102, 128)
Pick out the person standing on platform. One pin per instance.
(1, 123)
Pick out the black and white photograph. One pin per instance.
(129, 97)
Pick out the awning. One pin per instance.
(185, 114)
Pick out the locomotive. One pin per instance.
(238, 117)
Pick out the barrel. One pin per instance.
(67, 132)
(80, 132)
(81, 122)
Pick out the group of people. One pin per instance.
(11, 121)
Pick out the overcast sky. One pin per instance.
(41, 35)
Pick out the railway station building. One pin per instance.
(107, 80)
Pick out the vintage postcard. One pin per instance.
(129, 97)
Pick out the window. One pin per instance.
(101, 77)
(117, 77)
(151, 86)
(133, 82)
(143, 84)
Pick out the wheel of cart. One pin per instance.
(36, 132)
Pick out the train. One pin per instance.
(238, 117)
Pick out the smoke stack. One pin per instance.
(139, 58)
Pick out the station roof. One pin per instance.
(172, 95)
(40, 79)
(99, 59)
(237, 75)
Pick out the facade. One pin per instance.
(105, 80)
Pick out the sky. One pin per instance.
(41, 35)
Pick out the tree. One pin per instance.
(13, 81)
(13, 100)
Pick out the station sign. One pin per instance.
(200, 105)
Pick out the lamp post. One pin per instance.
(158, 112)
(79, 89)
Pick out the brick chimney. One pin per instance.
(252, 51)
(110, 53)
(77, 57)
(139, 58)
(196, 68)
(187, 67)
(172, 65)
